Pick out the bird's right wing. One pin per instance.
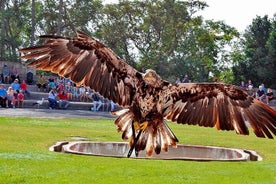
(218, 105)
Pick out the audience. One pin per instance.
(3, 96)
(251, 91)
(24, 88)
(11, 97)
(63, 100)
(260, 94)
(41, 83)
(14, 74)
(6, 74)
(269, 95)
(52, 98)
(243, 86)
(20, 99)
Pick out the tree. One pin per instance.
(258, 64)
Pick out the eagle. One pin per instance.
(148, 102)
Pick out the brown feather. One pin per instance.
(147, 97)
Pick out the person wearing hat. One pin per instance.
(15, 85)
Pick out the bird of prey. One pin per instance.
(147, 100)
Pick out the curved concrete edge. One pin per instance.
(182, 152)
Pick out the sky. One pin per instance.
(235, 13)
(238, 13)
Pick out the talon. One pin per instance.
(144, 125)
(136, 126)
(140, 126)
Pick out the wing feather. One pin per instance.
(86, 61)
(226, 107)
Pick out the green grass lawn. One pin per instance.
(25, 158)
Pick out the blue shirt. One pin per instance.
(3, 92)
(15, 86)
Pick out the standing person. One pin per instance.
(52, 98)
(269, 96)
(3, 96)
(63, 100)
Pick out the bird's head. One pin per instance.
(152, 78)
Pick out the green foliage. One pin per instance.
(25, 158)
(166, 36)
(258, 63)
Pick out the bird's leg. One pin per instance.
(136, 126)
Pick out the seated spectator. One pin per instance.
(243, 86)
(60, 86)
(63, 100)
(269, 96)
(51, 85)
(3, 96)
(83, 96)
(264, 88)
(14, 74)
(89, 94)
(69, 90)
(24, 88)
(20, 99)
(75, 93)
(41, 83)
(52, 98)
(97, 103)
(251, 91)
(15, 85)
(249, 83)
(260, 94)
(6, 74)
(11, 97)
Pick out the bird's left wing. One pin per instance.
(226, 107)
(88, 62)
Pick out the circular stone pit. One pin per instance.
(182, 152)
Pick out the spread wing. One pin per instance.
(226, 107)
(86, 61)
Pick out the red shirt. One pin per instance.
(23, 86)
(63, 96)
(20, 96)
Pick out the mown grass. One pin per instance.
(25, 158)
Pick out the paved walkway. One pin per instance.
(54, 113)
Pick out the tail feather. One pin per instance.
(156, 137)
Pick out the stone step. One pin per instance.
(73, 105)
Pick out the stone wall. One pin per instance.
(21, 68)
